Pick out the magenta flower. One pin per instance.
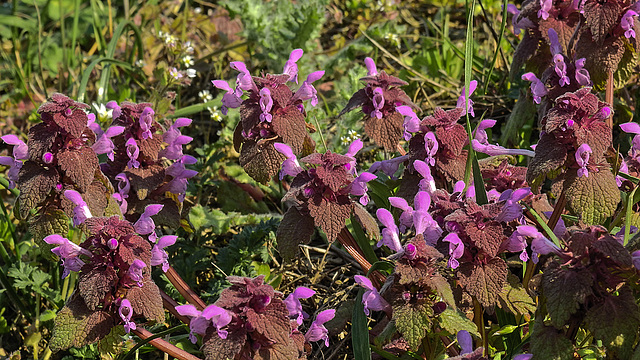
(428, 183)
(359, 186)
(135, 271)
(459, 186)
(317, 331)
(231, 99)
(20, 149)
(624, 169)
(307, 91)
(554, 45)
(81, 211)
(582, 159)
(627, 23)
(123, 191)
(390, 236)
(523, 357)
(378, 103)
(158, 255)
(537, 87)
(290, 66)
(126, 311)
(561, 69)
(145, 224)
(545, 6)
(521, 24)
(469, 103)
(200, 321)
(146, 122)
(481, 144)
(112, 243)
(456, 249)
(422, 220)
(20, 152)
(406, 218)
(293, 303)
(372, 70)
(512, 210)
(290, 166)
(540, 245)
(104, 145)
(517, 242)
(132, 151)
(431, 146)
(633, 128)
(411, 122)
(112, 105)
(68, 252)
(582, 75)
(355, 146)
(175, 140)
(265, 105)
(371, 299)
(181, 176)
(244, 80)
(14, 169)
(389, 167)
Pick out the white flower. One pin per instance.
(205, 96)
(139, 63)
(187, 60)
(197, 10)
(187, 47)
(175, 73)
(191, 73)
(100, 91)
(102, 111)
(215, 114)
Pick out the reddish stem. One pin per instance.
(170, 305)
(165, 346)
(184, 289)
(609, 97)
(352, 247)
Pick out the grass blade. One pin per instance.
(360, 330)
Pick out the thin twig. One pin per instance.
(163, 345)
(184, 289)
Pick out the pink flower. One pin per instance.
(112, 105)
(317, 331)
(469, 103)
(81, 211)
(123, 191)
(371, 299)
(146, 122)
(133, 151)
(390, 236)
(307, 91)
(200, 321)
(456, 249)
(104, 145)
(582, 75)
(422, 220)
(158, 255)
(545, 6)
(180, 176)
(512, 210)
(428, 183)
(20, 149)
(135, 271)
(537, 87)
(290, 166)
(431, 146)
(411, 122)
(231, 99)
(20, 152)
(521, 24)
(627, 24)
(126, 311)
(582, 159)
(175, 140)
(372, 70)
(68, 252)
(290, 66)
(359, 186)
(389, 167)
(265, 105)
(293, 303)
(378, 103)
(406, 218)
(244, 80)
(145, 224)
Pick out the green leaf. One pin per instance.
(565, 290)
(49, 221)
(453, 321)
(76, 325)
(514, 297)
(548, 343)
(594, 197)
(360, 329)
(413, 321)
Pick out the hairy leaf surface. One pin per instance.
(295, 228)
(594, 198)
(565, 290)
(484, 281)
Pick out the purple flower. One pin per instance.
(469, 103)
(523, 357)
(112, 105)
(293, 303)
(20, 149)
(135, 271)
(635, 258)
(627, 24)
(355, 146)
(561, 69)
(537, 87)
(406, 218)
(582, 159)
(624, 169)
(175, 140)
(265, 105)
(390, 236)
(495, 150)
(68, 252)
(14, 169)
(158, 255)
(554, 45)
(582, 75)
(465, 341)
(422, 220)
(123, 191)
(456, 249)
(517, 242)
(180, 174)
(47, 158)
(428, 183)
(411, 122)
(290, 66)
(540, 245)
(104, 145)
(145, 224)
(371, 299)
(81, 211)
(132, 151)
(521, 24)
(244, 80)
(317, 331)
(633, 128)
(20, 152)
(290, 166)
(200, 321)
(307, 91)
(389, 167)
(431, 146)
(126, 311)
(545, 6)
(378, 103)
(372, 70)
(512, 210)
(146, 122)
(359, 186)
(231, 99)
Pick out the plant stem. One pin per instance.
(346, 239)
(170, 305)
(163, 345)
(609, 97)
(184, 289)
(478, 318)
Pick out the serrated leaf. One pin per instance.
(295, 228)
(615, 321)
(94, 283)
(147, 301)
(413, 321)
(49, 221)
(359, 98)
(548, 343)
(35, 183)
(330, 216)
(215, 348)
(514, 297)
(489, 238)
(484, 281)
(441, 285)
(290, 125)
(79, 165)
(602, 17)
(41, 139)
(76, 325)
(260, 160)
(144, 180)
(112, 343)
(387, 131)
(550, 156)
(565, 290)
(594, 197)
(273, 322)
(452, 321)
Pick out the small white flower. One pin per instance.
(197, 10)
(102, 111)
(215, 114)
(170, 40)
(175, 73)
(187, 60)
(100, 91)
(205, 96)
(191, 73)
(187, 47)
(139, 63)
